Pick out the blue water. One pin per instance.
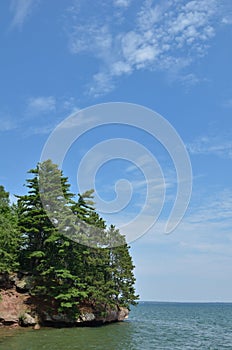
(161, 326)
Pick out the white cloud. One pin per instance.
(191, 79)
(41, 104)
(215, 210)
(91, 37)
(122, 3)
(38, 109)
(227, 20)
(39, 130)
(141, 162)
(211, 145)
(207, 224)
(136, 51)
(70, 105)
(206, 229)
(120, 67)
(21, 9)
(168, 36)
(7, 124)
(44, 113)
(102, 84)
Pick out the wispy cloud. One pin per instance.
(70, 105)
(41, 115)
(44, 106)
(7, 123)
(227, 20)
(190, 79)
(141, 162)
(122, 3)
(211, 145)
(21, 9)
(41, 104)
(216, 208)
(167, 36)
(39, 129)
(205, 229)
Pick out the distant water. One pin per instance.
(161, 326)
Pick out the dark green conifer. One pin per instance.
(98, 271)
(9, 234)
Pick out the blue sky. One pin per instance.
(173, 57)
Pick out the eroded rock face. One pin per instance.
(24, 284)
(123, 313)
(26, 320)
(114, 315)
(54, 319)
(12, 305)
(88, 316)
(17, 307)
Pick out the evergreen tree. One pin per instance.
(4, 200)
(34, 224)
(108, 268)
(45, 250)
(94, 258)
(53, 225)
(121, 276)
(9, 234)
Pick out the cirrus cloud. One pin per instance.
(21, 9)
(160, 36)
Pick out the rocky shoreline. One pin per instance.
(19, 308)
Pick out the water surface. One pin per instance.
(161, 326)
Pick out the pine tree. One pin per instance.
(47, 253)
(53, 225)
(108, 267)
(121, 276)
(34, 224)
(9, 234)
(94, 258)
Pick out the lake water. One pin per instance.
(158, 326)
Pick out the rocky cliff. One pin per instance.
(18, 307)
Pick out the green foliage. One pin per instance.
(9, 234)
(63, 269)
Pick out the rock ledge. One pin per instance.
(19, 308)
